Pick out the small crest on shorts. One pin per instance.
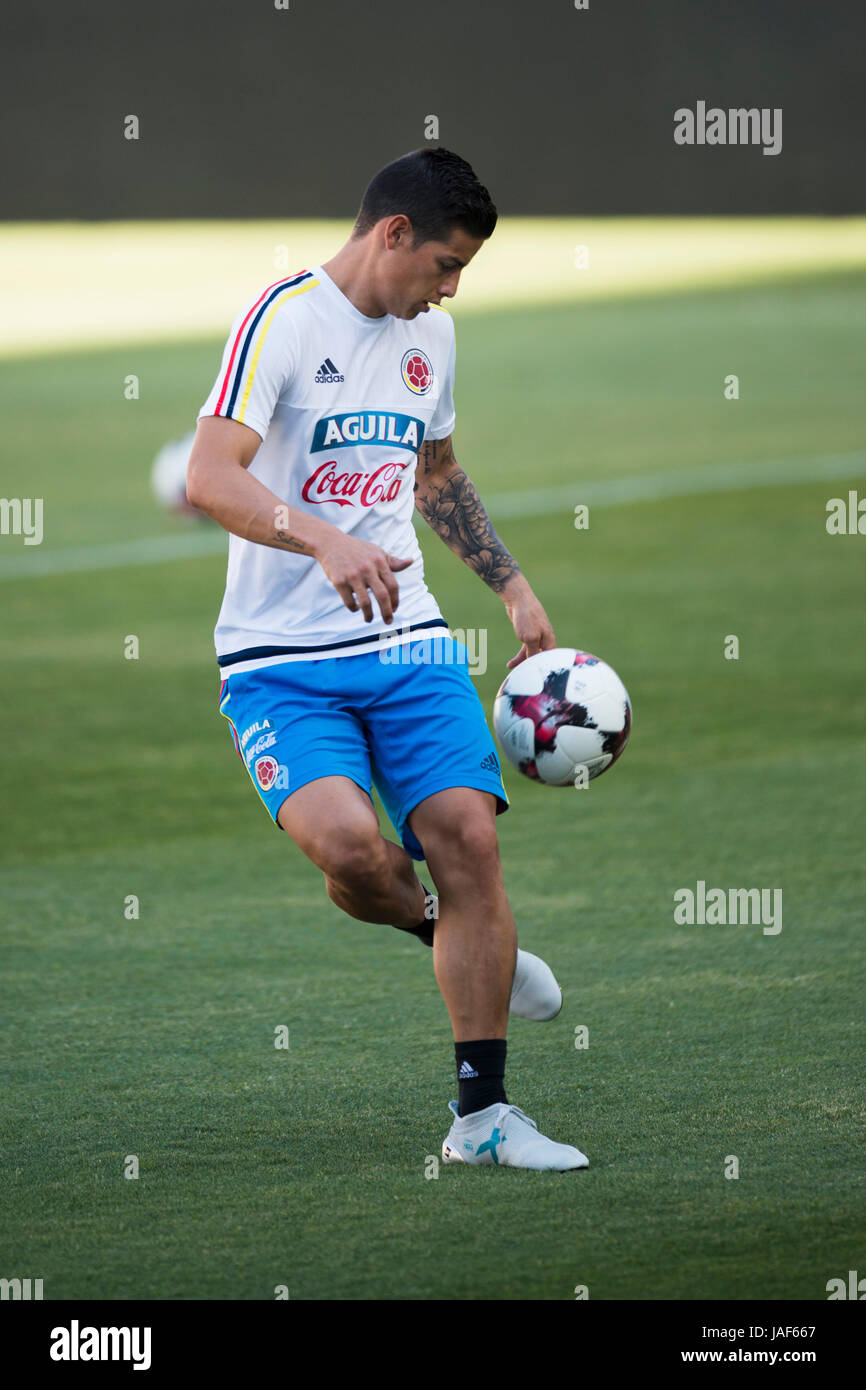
(266, 770)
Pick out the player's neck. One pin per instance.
(350, 272)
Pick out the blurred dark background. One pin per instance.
(247, 110)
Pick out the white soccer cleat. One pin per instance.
(502, 1134)
(534, 991)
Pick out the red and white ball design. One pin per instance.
(417, 371)
(266, 769)
(561, 711)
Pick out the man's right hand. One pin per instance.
(358, 569)
(219, 484)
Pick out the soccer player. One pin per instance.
(331, 417)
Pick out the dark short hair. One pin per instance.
(435, 189)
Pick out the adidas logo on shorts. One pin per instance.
(490, 763)
(328, 372)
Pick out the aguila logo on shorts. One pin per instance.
(416, 371)
(266, 770)
(254, 729)
(347, 488)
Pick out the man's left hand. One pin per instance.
(531, 624)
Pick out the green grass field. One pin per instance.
(305, 1167)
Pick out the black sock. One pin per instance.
(480, 1074)
(424, 930)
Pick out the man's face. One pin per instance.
(429, 274)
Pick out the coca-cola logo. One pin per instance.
(327, 485)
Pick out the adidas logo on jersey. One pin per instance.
(490, 763)
(328, 372)
(467, 1071)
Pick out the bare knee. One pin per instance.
(353, 860)
(468, 849)
(335, 824)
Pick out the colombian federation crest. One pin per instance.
(416, 371)
(266, 770)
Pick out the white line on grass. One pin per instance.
(505, 506)
(677, 482)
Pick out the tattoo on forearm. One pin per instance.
(456, 513)
(292, 542)
(437, 453)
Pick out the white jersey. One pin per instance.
(342, 403)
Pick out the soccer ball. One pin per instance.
(560, 712)
(168, 477)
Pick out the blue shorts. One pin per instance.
(408, 719)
